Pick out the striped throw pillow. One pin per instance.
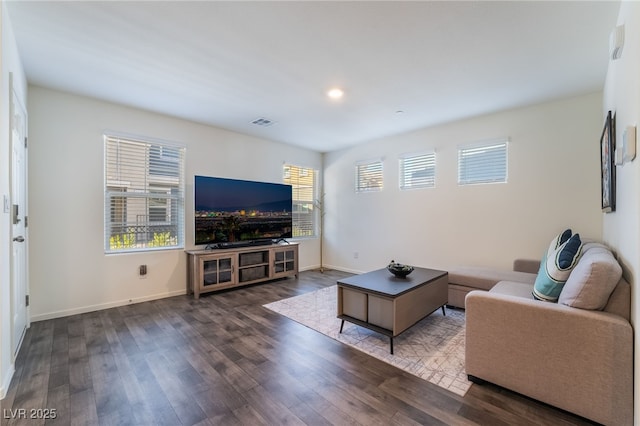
(556, 268)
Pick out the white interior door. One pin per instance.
(18, 216)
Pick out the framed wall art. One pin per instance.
(607, 166)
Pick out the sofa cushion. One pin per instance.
(556, 267)
(592, 280)
(513, 288)
(480, 278)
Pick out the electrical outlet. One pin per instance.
(142, 271)
(355, 254)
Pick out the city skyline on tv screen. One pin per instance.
(232, 210)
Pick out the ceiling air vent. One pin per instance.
(264, 122)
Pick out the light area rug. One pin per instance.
(433, 349)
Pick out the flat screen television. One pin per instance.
(233, 211)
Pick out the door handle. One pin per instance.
(16, 219)
(19, 239)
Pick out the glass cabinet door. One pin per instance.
(217, 271)
(284, 261)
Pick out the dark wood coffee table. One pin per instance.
(388, 305)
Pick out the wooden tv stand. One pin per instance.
(218, 269)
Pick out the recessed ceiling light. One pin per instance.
(335, 93)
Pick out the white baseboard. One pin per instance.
(310, 268)
(101, 306)
(4, 386)
(343, 269)
(332, 267)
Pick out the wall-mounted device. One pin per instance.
(616, 42)
(626, 152)
(629, 143)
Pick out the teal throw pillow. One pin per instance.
(557, 241)
(556, 268)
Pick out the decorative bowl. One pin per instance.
(399, 270)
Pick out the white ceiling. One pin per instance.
(228, 63)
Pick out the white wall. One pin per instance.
(10, 63)
(69, 271)
(621, 229)
(553, 183)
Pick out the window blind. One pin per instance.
(369, 176)
(418, 171)
(144, 195)
(303, 184)
(482, 163)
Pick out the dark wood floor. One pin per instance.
(224, 359)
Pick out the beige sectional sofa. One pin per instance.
(576, 354)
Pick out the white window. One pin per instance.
(484, 162)
(369, 176)
(418, 171)
(304, 186)
(144, 195)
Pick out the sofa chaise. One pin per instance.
(575, 354)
